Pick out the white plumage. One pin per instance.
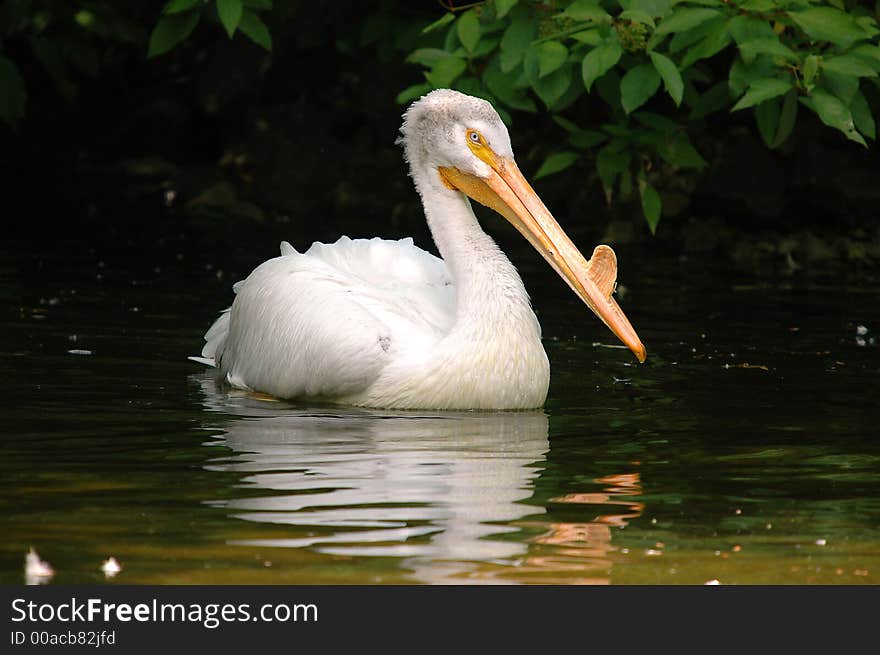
(383, 323)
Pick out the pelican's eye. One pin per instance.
(481, 149)
(475, 137)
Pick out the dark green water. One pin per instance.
(746, 450)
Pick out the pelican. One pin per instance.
(384, 324)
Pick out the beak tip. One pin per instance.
(641, 353)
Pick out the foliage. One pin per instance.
(66, 39)
(180, 17)
(72, 41)
(628, 80)
(638, 89)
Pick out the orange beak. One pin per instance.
(506, 191)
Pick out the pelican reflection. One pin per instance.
(436, 489)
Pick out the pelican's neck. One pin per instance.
(489, 291)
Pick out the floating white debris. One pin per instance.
(820, 542)
(36, 570)
(652, 552)
(111, 567)
(712, 582)
(861, 330)
(79, 351)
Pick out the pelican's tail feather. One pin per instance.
(215, 341)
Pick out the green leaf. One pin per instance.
(445, 19)
(749, 28)
(551, 55)
(774, 47)
(502, 7)
(586, 10)
(486, 45)
(741, 75)
(599, 61)
(427, 56)
(652, 206)
(230, 12)
(263, 5)
(833, 113)
(611, 162)
(868, 53)
(579, 137)
(608, 88)
(170, 31)
(761, 90)
(637, 87)
(687, 38)
(849, 65)
(651, 7)
(680, 152)
(179, 6)
(714, 99)
(505, 87)
(516, 39)
(638, 16)
(714, 42)
(809, 68)
(557, 162)
(672, 81)
(685, 19)
(767, 118)
(656, 121)
(445, 71)
(255, 29)
(472, 87)
(12, 92)
(590, 37)
(842, 86)
(862, 117)
(787, 118)
(411, 93)
(551, 88)
(468, 27)
(868, 24)
(586, 139)
(829, 24)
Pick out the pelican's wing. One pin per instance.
(396, 280)
(326, 322)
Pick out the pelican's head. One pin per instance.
(436, 130)
(462, 140)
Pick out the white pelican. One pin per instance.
(384, 324)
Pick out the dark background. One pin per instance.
(219, 139)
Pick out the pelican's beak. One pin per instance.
(506, 191)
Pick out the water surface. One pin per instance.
(745, 450)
